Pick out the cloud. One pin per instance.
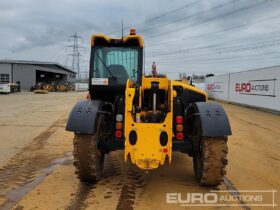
(40, 30)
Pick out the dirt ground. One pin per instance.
(36, 169)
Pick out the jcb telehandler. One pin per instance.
(147, 117)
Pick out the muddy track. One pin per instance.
(234, 192)
(132, 185)
(25, 165)
(246, 122)
(32, 126)
(83, 192)
(123, 180)
(15, 195)
(33, 180)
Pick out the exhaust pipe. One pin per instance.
(154, 103)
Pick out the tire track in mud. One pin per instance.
(235, 193)
(132, 182)
(121, 178)
(132, 189)
(247, 122)
(32, 126)
(83, 192)
(86, 189)
(26, 164)
(15, 195)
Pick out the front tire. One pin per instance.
(88, 159)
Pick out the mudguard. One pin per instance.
(83, 115)
(213, 118)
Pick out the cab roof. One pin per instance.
(131, 37)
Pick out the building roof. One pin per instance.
(41, 63)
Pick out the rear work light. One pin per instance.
(118, 134)
(165, 150)
(179, 128)
(179, 136)
(179, 119)
(119, 118)
(119, 125)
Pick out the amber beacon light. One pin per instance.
(133, 31)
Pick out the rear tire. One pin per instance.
(210, 160)
(88, 159)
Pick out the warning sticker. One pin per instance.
(99, 81)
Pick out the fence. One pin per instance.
(81, 86)
(259, 88)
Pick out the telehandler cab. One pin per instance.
(147, 117)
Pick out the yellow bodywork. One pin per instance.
(40, 91)
(148, 153)
(125, 39)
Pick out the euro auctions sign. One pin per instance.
(257, 87)
(215, 87)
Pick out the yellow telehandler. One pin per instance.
(147, 117)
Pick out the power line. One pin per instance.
(58, 54)
(222, 31)
(186, 60)
(76, 55)
(152, 19)
(213, 18)
(192, 16)
(261, 38)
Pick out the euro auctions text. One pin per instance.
(261, 198)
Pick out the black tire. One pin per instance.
(211, 159)
(88, 160)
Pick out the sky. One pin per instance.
(191, 36)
